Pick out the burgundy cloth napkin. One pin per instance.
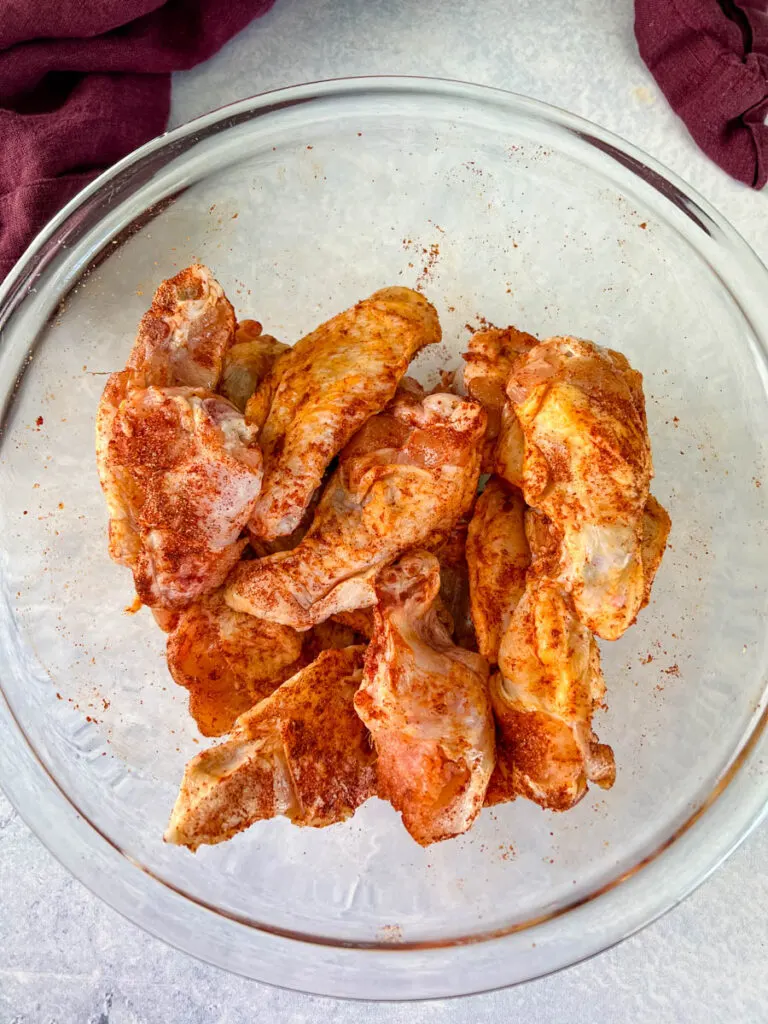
(84, 82)
(710, 59)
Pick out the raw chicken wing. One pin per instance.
(587, 467)
(498, 557)
(323, 389)
(409, 473)
(302, 752)
(543, 699)
(426, 704)
(178, 465)
(489, 358)
(228, 661)
(181, 474)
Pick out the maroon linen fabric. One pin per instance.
(84, 82)
(710, 59)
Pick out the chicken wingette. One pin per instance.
(302, 752)
(181, 472)
(323, 389)
(411, 472)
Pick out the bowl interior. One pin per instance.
(497, 215)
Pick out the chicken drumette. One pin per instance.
(426, 704)
(544, 695)
(587, 467)
(184, 336)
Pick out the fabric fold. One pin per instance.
(84, 84)
(710, 60)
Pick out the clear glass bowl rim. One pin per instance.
(740, 799)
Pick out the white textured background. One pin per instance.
(64, 957)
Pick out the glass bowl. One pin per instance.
(500, 209)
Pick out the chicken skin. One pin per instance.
(426, 704)
(228, 661)
(323, 389)
(248, 362)
(302, 753)
(181, 474)
(489, 357)
(587, 467)
(409, 473)
(544, 696)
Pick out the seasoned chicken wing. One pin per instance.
(489, 358)
(426, 704)
(248, 362)
(410, 472)
(181, 474)
(322, 390)
(179, 467)
(498, 557)
(543, 700)
(302, 752)
(587, 467)
(183, 338)
(228, 661)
